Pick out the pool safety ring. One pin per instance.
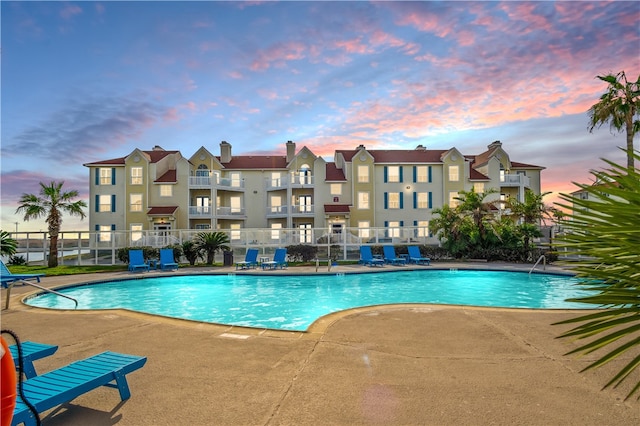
(8, 389)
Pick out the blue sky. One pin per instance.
(88, 81)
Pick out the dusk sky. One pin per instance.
(88, 81)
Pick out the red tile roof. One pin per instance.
(162, 211)
(476, 175)
(334, 173)
(399, 155)
(154, 157)
(515, 164)
(170, 176)
(337, 208)
(256, 162)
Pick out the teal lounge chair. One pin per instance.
(279, 260)
(7, 277)
(136, 261)
(366, 257)
(63, 385)
(167, 261)
(416, 257)
(250, 260)
(31, 351)
(390, 256)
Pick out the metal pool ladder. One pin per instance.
(48, 290)
(544, 263)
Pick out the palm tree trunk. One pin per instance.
(53, 251)
(629, 124)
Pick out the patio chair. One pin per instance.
(366, 257)
(416, 257)
(390, 256)
(279, 260)
(136, 261)
(167, 261)
(7, 277)
(60, 386)
(31, 351)
(250, 260)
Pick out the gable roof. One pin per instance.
(399, 155)
(334, 173)
(169, 176)
(256, 162)
(152, 156)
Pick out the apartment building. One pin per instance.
(160, 190)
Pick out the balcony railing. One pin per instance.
(230, 211)
(294, 180)
(214, 181)
(515, 180)
(282, 211)
(200, 211)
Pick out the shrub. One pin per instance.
(302, 252)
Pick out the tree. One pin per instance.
(8, 245)
(191, 252)
(603, 238)
(210, 243)
(531, 210)
(620, 107)
(51, 202)
(473, 203)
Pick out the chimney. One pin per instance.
(360, 147)
(496, 144)
(225, 152)
(420, 148)
(157, 148)
(291, 150)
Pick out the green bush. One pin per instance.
(302, 252)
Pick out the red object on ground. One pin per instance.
(8, 387)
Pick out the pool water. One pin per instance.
(294, 302)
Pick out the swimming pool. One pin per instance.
(294, 302)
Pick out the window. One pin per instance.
(363, 229)
(393, 229)
(363, 174)
(422, 200)
(104, 233)
(135, 202)
(203, 226)
(166, 190)
(393, 200)
(363, 200)
(503, 198)
(136, 232)
(452, 199)
(454, 173)
(202, 205)
(422, 228)
(336, 189)
(235, 205)
(136, 176)
(276, 204)
(202, 171)
(305, 204)
(276, 179)
(106, 176)
(393, 174)
(236, 179)
(305, 233)
(235, 231)
(478, 187)
(584, 195)
(104, 203)
(275, 231)
(421, 174)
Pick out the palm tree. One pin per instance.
(473, 203)
(210, 243)
(51, 202)
(8, 245)
(531, 211)
(619, 106)
(602, 238)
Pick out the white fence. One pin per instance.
(92, 248)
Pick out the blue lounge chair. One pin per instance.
(390, 256)
(416, 257)
(250, 260)
(167, 261)
(366, 257)
(7, 277)
(31, 351)
(279, 260)
(60, 386)
(136, 261)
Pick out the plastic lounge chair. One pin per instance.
(136, 261)
(67, 383)
(367, 258)
(31, 351)
(167, 261)
(279, 260)
(7, 277)
(390, 256)
(416, 257)
(250, 260)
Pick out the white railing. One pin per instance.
(515, 180)
(91, 248)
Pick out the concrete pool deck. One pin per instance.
(392, 365)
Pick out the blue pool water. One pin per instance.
(294, 302)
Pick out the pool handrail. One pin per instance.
(48, 290)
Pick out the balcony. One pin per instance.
(207, 182)
(200, 211)
(294, 180)
(231, 213)
(517, 180)
(297, 211)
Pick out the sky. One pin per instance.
(89, 81)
